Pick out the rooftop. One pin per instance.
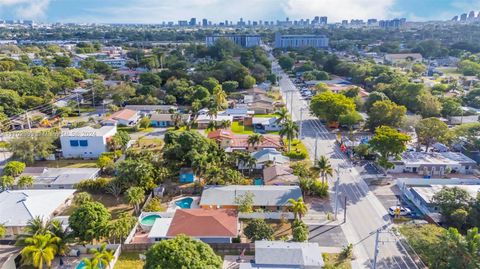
(423, 158)
(272, 155)
(269, 141)
(427, 192)
(87, 131)
(124, 114)
(279, 174)
(220, 134)
(23, 205)
(60, 176)
(262, 195)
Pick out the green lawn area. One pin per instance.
(265, 115)
(114, 206)
(334, 260)
(66, 164)
(422, 238)
(129, 260)
(452, 71)
(240, 129)
(298, 150)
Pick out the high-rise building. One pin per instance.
(182, 23)
(344, 22)
(471, 15)
(372, 21)
(455, 18)
(300, 41)
(463, 17)
(323, 20)
(245, 41)
(193, 22)
(204, 22)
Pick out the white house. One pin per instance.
(203, 120)
(20, 206)
(58, 178)
(433, 163)
(86, 142)
(262, 125)
(125, 117)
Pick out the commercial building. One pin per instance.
(86, 142)
(300, 41)
(244, 41)
(433, 163)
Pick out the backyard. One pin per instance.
(129, 260)
(237, 128)
(66, 164)
(114, 206)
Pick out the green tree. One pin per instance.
(324, 168)
(258, 229)
(289, 129)
(385, 113)
(3, 230)
(14, 168)
(182, 252)
(40, 250)
(298, 207)
(282, 115)
(89, 221)
(81, 198)
(245, 202)
(248, 82)
(286, 62)
(136, 172)
(429, 105)
(430, 131)
(450, 200)
(135, 196)
(299, 231)
(330, 106)
(119, 140)
(255, 139)
(102, 256)
(144, 123)
(25, 182)
(150, 79)
(25, 149)
(389, 143)
(104, 162)
(210, 83)
(350, 120)
(62, 61)
(230, 86)
(374, 97)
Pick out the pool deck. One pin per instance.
(172, 206)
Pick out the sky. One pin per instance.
(157, 11)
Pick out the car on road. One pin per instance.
(400, 210)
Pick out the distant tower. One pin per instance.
(471, 15)
(463, 17)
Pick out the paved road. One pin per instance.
(365, 213)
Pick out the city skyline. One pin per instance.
(153, 11)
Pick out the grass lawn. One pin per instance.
(451, 71)
(67, 164)
(129, 260)
(334, 260)
(265, 115)
(281, 229)
(298, 150)
(421, 238)
(153, 144)
(113, 206)
(240, 129)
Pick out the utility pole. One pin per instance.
(78, 105)
(316, 146)
(337, 185)
(301, 123)
(377, 236)
(345, 210)
(28, 121)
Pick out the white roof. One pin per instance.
(17, 207)
(62, 176)
(436, 158)
(427, 193)
(160, 228)
(207, 118)
(264, 121)
(87, 131)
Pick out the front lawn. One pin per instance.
(66, 164)
(298, 151)
(129, 260)
(265, 115)
(335, 260)
(240, 129)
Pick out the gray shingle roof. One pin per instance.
(263, 195)
(288, 253)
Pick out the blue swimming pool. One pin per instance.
(149, 220)
(185, 202)
(81, 265)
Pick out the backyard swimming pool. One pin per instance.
(149, 220)
(184, 203)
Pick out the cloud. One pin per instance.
(337, 10)
(26, 9)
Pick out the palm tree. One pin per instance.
(298, 207)
(102, 255)
(212, 112)
(40, 250)
(305, 185)
(212, 126)
(290, 131)
(3, 230)
(90, 263)
(6, 182)
(255, 139)
(250, 162)
(199, 165)
(177, 120)
(56, 229)
(324, 167)
(220, 98)
(36, 226)
(283, 115)
(225, 124)
(25, 182)
(135, 196)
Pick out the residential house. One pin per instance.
(209, 226)
(86, 142)
(58, 178)
(274, 198)
(263, 125)
(231, 142)
(126, 117)
(187, 175)
(262, 105)
(283, 255)
(222, 137)
(24, 205)
(433, 163)
(165, 120)
(150, 109)
(203, 120)
(266, 157)
(238, 114)
(279, 175)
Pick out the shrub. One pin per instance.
(298, 150)
(98, 185)
(319, 189)
(299, 231)
(258, 229)
(154, 205)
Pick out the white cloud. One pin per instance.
(27, 9)
(337, 10)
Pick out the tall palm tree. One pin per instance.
(40, 250)
(298, 207)
(177, 120)
(225, 124)
(36, 226)
(290, 131)
(283, 115)
(212, 112)
(90, 263)
(220, 98)
(250, 162)
(324, 168)
(212, 126)
(255, 139)
(56, 229)
(135, 196)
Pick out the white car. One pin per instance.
(403, 210)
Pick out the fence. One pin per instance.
(267, 215)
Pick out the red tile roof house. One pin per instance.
(231, 142)
(125, 117)
(207, 225)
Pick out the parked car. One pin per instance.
(404, 211)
